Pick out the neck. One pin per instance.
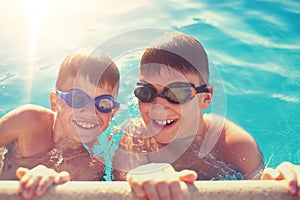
(203, 126)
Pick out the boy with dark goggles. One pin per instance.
(76, 98)
(177, 93)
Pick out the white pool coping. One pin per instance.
(204, 190)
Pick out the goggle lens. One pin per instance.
(178, 93)
(106, 104)
(76, 98)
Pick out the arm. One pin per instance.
(10, 125)
(25, 123)
(240, 149)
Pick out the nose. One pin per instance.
(89, 108)
(88, 111)
(157, 110)
(160, 100)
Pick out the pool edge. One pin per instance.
(205, 190)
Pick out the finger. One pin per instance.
(297, 171)
(21, 171)
(30, 187)
(62, 177)
(271, 174)
(287, 171)
(30, 179)
(23, 182)
(163, 190)
(175, 189)
(188, 176)
(137, 188)
(150, 190)
(44, 185)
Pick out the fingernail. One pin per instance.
(57, 180)
(39, 189)
(275, 174)
(25, 193)
(292, 189)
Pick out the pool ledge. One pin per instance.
(206, 190)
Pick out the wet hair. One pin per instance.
(100, 70)
(178, 51)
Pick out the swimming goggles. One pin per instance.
(76, 98)
(177, 93)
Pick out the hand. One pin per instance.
(285, 171)
(159, 181)
(37, 180)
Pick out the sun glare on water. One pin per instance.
(36, 11)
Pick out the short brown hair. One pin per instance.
(99, 70)
(177, 51)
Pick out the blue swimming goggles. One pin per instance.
(76, 98)
(177, 93)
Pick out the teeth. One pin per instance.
(164, 122)
(85, 124)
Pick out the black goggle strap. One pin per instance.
(202, 89)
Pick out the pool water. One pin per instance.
(253, 46)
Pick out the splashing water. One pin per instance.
(105, 150)
(109, 139)
(56, 157)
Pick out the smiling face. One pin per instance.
(81, 124)
(167, 121)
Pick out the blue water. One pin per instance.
(254, 47)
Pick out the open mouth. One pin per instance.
(85, 124)
(164, 123)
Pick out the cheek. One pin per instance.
(64, 112)
(191, 109)
(104, 120)
(144, 110)
(62, 107)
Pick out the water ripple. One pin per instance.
(6, 76)
(287, 98)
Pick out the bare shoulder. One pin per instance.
(24, 116)
(236, 134)
(239, 147)
(28, 118)
(28, 110)
(232, 133)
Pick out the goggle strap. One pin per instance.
(61, 94)
(202, 89)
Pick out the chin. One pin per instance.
(163, 140)
(86, 140)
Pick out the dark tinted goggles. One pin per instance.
(178, 92)
(76, 98)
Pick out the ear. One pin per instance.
(53, 99)
(207, 97)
